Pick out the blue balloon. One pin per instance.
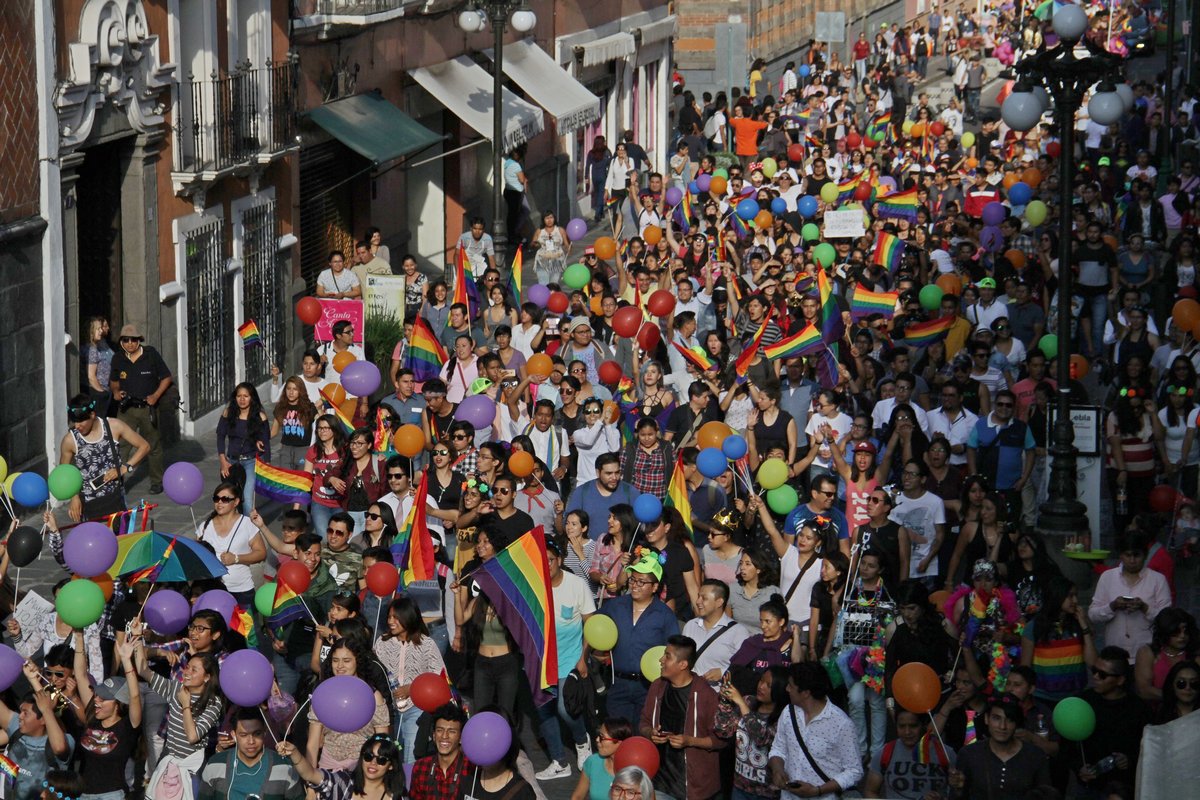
(748, 209)
(734, 447)
(30, 490)
(804, 70)
(647, 509)
(711, 462)
(694, 187)
(807, 206)
(1020, 194)
(778, 206)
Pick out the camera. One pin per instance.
(1106, 764)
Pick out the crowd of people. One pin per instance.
(768, 469)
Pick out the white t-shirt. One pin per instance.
(920, 515)
(572, 600)
(344, 282)
(799, 605)
(1174, 437)
(238, 579)
(841, 426)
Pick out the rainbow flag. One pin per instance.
(847, 188)
(286, 607)
(610, 201)
(517, 582)
(742, 364)
(902, 205)
(865, 302)
(889, 249)
(696, 357)
(928, 751)
(381, 442)
(683, 213)
(922, 334)
(347, 422)
(1057, 663)
(281, 485)
(412, 550)
(465, 290)
(739, 227)
(425, 355)
(799, 344)
(833, 327)
(827, 368)
(627, 404)
(514, 277)
(9, 767)
(677, 494)
(248, 330)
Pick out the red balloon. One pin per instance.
(429, 692)
(626, 321)
(869, 142)
(937, 128)
(1163, 498)
(1053, 149)
(382, 578)
(661, 303)
(637, 751)
(649, 336)
(795, 153)
(853, 140)
(308, 310)
(862, 192)
(294, 575)
(610, 372)
(558, 302)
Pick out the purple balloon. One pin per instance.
(167, 612)
(991, 238)
(994, 213)
(478, 409)
(183, 483)
(539, 295)
(485, 738)
(576, 229)
(674, 195)
(888, 181)
(90, 549)
(246, 678)
(344, 703)
(361, 378)
(217, 600)
(704, 182)
(11, 664)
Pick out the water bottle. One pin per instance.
(1122, 506)
(1040, 728)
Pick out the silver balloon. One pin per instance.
(1021, 111)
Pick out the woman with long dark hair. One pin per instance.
(332, 750)
(613, 553)
(236, 541)
(363, 476)
(920, 634)
(1176, 436)
(243, 435)
(497, 669)
(1174, 640)
(1180, 692)
(379, 527)
(826, 603)
(751, 723)
(1058, 643)
(1130, 430)
(1029, 571)
(436, 308)
(376, 774)
(113, 713)
(324, 461)
(407, 651)
(292, 420)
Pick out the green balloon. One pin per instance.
(772, 473)
(931, 297)
(1048, 344)
(65, 481)
(824, 254)
(577, 276)
(721, 172)
(1074, 719)
(80, 603)
(810, 232)
(1035, 212)
(264, 599)
(782, 499)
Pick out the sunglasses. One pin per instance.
(399, 476)
(331, 531)
(378, 758)
(62, 673)
(875, 500)
(826, 492)
(441, 452)
(125, 339)
(458, 437)
(369, 515)
(504, 491)
(1099, 673)
(220, 498)
(1181, 683)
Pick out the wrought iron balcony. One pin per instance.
(337, 18)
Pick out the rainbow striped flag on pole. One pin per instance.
(514, 277)
(677, 494)
(847, 188)
(412, 550)
(865, 302)
(696, 357)
(803, 343)
(517, 582)
(248, 330)
(922, 334)
(902, 205)
(833, 327)
(889, 250)
(742, 364)
(342, 417)
(425, 355)
(286, 606)
(281, 485)
(879, 126)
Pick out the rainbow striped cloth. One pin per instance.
(286, 606)
(742, 364)
(514, 278)
(865, 302)
(281, 485)
(342, 417)
(412, 550)
(922, 334)
(517, 582)
(928, 751)
(847, 188)
(677, 494)
(696, 357)
(425, 355)
(740, 229)
(833, 327)
(902, 205)
(877, 128)
(683, 213)
(248, 330)
(803, 343)
(9, 767)
(889, 249)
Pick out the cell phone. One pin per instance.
(1127, 598)
(96, 482)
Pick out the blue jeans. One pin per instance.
(406, 732)
(247, 463)
(1097, 311)
(440, 636)
(860, 697)
(548, 716)
(288, 670)
(319, 516)
(626, 698)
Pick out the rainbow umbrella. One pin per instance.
(166, 557)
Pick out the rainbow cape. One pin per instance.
(677, 494)
(798, 344)
(847, 188)
(249, 333)
(742, 364)
(514, 277)
(281, 485)
(696, 357)
(922, 334)
(425, 355)
(889, 249)
(517, 582)
(865, 302)
(342, 417)
(902, 205)
(412, 549)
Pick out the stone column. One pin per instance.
(139, 246)
(69, 172)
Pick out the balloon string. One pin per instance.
(938, 734)
(17, 589)
(295, 716)
(195, 525)
(267, 723)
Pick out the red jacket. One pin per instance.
(702, 765)
(976, 199)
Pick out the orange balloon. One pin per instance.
(596, 304)
(950, 283)
(1111, 241)
(972, 162)
(335, 394)
(718, 185)
(652, 235)
(916, 687)
(539, 365)
(1010, 178)
(349, 407)
(939, 598)
(713, 434)
(763, 220)
(612, 412)
(1186, 313)
(1016, 258)
(1032, 176)
(343, 360)
(408, 440)
(1079, 367)
(520, 464)
(918, 130)
(606, 248)
(103, 580)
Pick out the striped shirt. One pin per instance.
(177, 741)
(404, 661)
(1137, 449)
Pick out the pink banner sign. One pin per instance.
(335, 311)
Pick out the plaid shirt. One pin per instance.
(430, 783)
(466, 462)
(649, 471)
(1025, 243)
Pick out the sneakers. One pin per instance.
(554, 772)
(582, 751)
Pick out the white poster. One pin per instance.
(385, 296)
(844, 224)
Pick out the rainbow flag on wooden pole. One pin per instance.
(514, 277)
(742, 364)
(281, 485)
(889, 250)
(248, 330)
(412, 549)
(425, 355)
(677, 494)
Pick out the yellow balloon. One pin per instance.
(600, 632)
(968, 139)
(3, 468)
(769, 167)
(8, 482)
(829, 192)
(907, 127)
(651, 662)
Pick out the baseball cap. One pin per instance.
(1104, 161)
(647, 564)
(865, 447)
(480, 385)
(987, 283)
(589, 251)
(113, 689)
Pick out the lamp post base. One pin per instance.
(1063, 516)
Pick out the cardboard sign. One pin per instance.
(336, 310)
(384, 296)
(844, 224)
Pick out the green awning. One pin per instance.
(373, 127)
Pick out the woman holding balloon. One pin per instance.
(407, 651)
(376, 773)
(332, 749)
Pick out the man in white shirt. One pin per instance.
(954, 422)
(987, 309)
(923, 514)
(831, 764)
(716, 635)
(906, 383)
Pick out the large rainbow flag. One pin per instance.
(281, 485)
(517, 582)
(425, 355)
(696, 357)
(798, 344)
(865, 302)
(742, 364)
(889, 249)
(677, 494)
(683, 212)
(412, 549)
(921, 334)
(902, 205)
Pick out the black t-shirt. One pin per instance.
(139, 378)
(102, 755)
(474, 791)
(886, 542)
(509, 529)
(672, 771)
(676, 560)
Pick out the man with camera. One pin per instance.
(91, 445)
(139, 380)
